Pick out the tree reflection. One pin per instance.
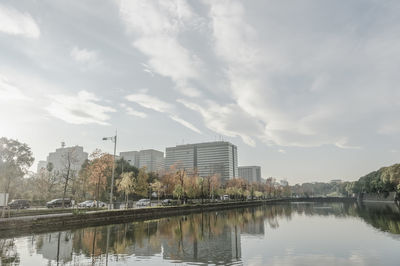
(8, 252)
(208, 237)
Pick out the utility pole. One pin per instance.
(113, 139)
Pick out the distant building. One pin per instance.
(59, 158)
(41, 165)
(132, 157)
(209, 158)
(336, 181)
(284, 183)
(250, 173)
(153, 160)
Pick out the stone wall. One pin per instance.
(378, 197)
(64, 221)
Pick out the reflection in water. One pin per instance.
(210, 237)
(8, 251)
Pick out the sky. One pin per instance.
(308, 90)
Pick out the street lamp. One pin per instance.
(113, 139)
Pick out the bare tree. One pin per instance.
(68, 172)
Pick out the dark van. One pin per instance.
(57, 203)
(19, 204)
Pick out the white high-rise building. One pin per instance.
(153, 160)
(250, 173)
(61, 156)
(209, 158)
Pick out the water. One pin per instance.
(287, 234)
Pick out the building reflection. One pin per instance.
(209, 238)
(55, 246)
(205, 238)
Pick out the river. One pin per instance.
(282, 234)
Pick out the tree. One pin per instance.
(180, 177)
(236, 187)
(142, 182)
(122, 166)
(193, 186)
(158, 188)
(81, 184)
(45, 183)
(100, 169)
(51, 177)
(178, 191)
(15, 160)
(168, 182)
(69, 160)
(126, 185)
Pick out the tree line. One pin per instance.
(386, 179)
(93, 179)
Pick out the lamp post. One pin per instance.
(113, 139)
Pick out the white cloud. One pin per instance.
(81, 109)
(150, 102)
(158, 105)
(9, 91)
(303, 94)
(228, 120)
(87, 59)
(130, 111)
(156, 26)
(185, 123)
(15, 22)
(343, 143)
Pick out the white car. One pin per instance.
(91, 204)
(143, 202)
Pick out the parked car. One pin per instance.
(143, 202)
(169, 202)
(57, 203)
(91, 204)
(225, 197)
(19, 204)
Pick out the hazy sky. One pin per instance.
(307, 89)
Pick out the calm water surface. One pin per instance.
(289, 234)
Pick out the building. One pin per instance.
(131, 156)
(284, 183)
(61, 156)
(41, 165)
(250, 173)
(209, 158)
(153, 160)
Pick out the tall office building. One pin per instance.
(153, 160)
(131, 156)
(207, 159)
(60, 158)
(250, 173)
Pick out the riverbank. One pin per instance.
(63, 221)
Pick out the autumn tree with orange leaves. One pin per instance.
(99, 170)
